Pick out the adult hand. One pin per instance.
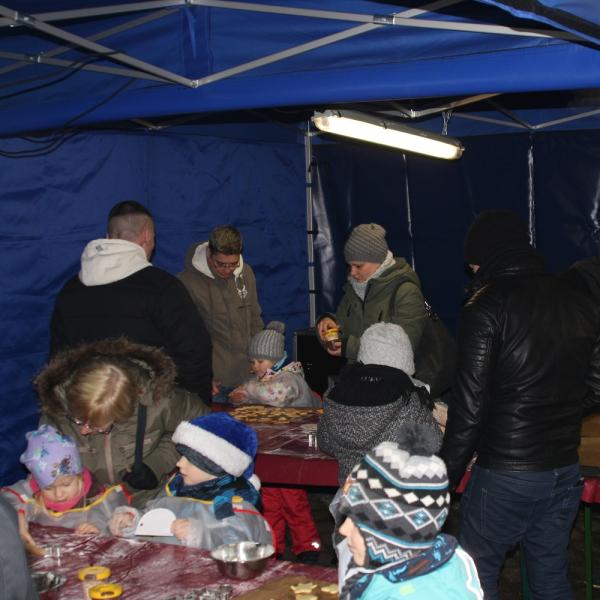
(238, 395)
(324, 324)
(334, 348)
(180, 528)
(28, 541)
(87, 529)
(216, 387)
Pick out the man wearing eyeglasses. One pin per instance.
(223, 287)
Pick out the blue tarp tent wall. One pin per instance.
(58, 184)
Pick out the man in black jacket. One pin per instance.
(119, 293)
(528, 366)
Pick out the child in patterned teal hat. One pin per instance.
(59, 490)
(395, 502)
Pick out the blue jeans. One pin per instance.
(500, 509)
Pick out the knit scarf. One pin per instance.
(371, 385)
(360, 288)
(429, 560)
(219, 490)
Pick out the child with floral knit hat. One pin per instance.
(60, 489)
(214, 495)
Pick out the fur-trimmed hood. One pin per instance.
(155, 371)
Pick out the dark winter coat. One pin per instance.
(368, 406)
(528, 362)
(150, 307)
(392, 297)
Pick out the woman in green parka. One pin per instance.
(117, 400)
(380, 288)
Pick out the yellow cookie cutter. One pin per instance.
(94, 572)
(105, 590)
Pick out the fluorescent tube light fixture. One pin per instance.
(368, 128)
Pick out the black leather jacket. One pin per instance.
(528, 366)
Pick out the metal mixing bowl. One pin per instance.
(242, 560)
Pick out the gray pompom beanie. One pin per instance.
(366, 244)
(269, 343)
(387, 344)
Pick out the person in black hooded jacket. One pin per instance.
(528, 363)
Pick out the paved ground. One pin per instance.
(510, 584)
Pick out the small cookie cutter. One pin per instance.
(105, 590)
(94, 572)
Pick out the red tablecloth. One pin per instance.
(147, 570)
(284, 456)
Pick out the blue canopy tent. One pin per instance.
(200, 109)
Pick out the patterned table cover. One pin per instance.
(148, 570)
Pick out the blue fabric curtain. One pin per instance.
(551, 179)
(51, 206)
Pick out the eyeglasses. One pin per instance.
(80, 423)
(228, 266)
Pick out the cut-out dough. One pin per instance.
(303, 588)
(330, 589)
(156, 522)
(306, 597)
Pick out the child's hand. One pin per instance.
(238, 395)
(87, 529)
(28, 541)
(120, 521)
(180, 528)
(216, 386)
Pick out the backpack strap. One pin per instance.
(140, 432)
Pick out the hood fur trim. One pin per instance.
(155, 370)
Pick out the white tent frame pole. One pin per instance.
(404, 18)
(300, 49)
(310, 227)
(97, 36)
(380, 19)
(26, 60)
(94, 47)
(590, 113)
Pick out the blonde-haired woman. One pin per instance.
(117, 400)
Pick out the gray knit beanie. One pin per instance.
(387, 344)
(269, 343)
(366, 244)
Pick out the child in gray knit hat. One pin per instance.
(281, 386)
(273, 383)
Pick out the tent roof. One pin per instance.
(91, 62)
